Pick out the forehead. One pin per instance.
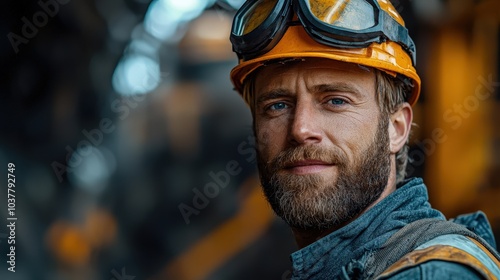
(312, 72)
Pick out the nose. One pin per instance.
(305, 126)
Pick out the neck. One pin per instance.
(304, 237)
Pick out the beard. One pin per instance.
(311, 202)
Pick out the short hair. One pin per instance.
(392, 92)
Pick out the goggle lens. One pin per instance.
(256, 15)
(348, 14)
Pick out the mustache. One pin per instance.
(301, 153)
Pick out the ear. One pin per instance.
(399, 127)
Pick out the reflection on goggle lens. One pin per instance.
(257, 14)
(349, 14)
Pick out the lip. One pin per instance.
(307, 166)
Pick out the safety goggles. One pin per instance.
(260, 24)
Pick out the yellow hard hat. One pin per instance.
(342, 30)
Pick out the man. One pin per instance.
(330, 85)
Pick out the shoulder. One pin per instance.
(446, 257)
(437, 269)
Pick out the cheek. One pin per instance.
(352, 133)
(271, 137)
(262, 145)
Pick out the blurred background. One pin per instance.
(134, 156)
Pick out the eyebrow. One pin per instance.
(273, 94)
(338, 87)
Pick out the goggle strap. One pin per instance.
(400, 32)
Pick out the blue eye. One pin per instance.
(337, 101)
(278, 106)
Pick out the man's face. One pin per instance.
(322, 143)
